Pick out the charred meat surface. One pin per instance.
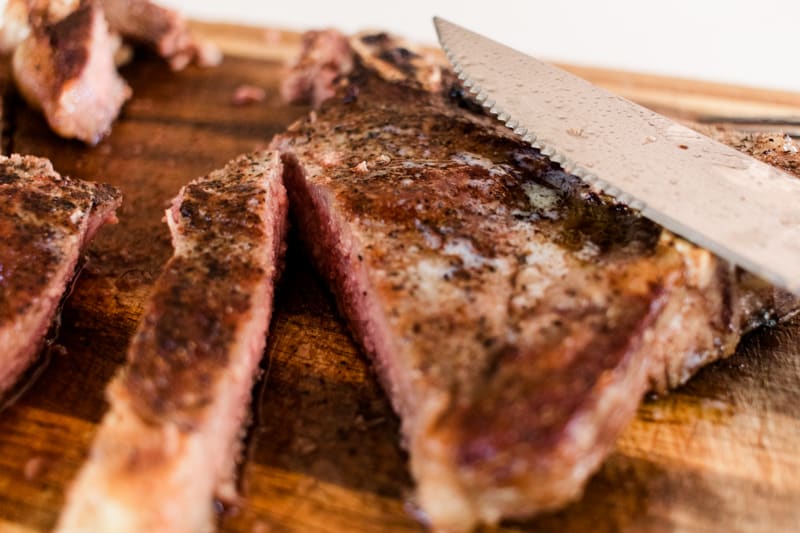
(514, 316)
(46, 221)
(328, 56)
(395, 59)
(65, 67)
(171, 440)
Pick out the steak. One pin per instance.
(160, 28)
(325, 55)
(514, 315)
(46, 222)
(65, 67)
(171, 439)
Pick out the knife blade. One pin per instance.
(743, 210)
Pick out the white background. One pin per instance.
(747, 42)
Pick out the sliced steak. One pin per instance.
(324, 57)
(160, 28)
(65, 67)
(46, 221)
(514, 316)
(327, 56)
(171, 440)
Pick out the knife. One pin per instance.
(743, 210)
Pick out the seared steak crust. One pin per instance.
(515, 316)
(171, 439)
(204, 293)
(46, 220)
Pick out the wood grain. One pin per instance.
(702, 98)
(720, 454)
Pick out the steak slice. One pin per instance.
(324, 56)
(515, 316)
(171, 440)
(65, 67)
(46, 222)
(160, 28)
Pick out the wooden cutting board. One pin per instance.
(721, 453)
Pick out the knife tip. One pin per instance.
(441, 25)
(437, 24)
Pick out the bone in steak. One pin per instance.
(65, 67)
(514, 316)
(46, 221)
(171, 440)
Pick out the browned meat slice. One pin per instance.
(514, 316)
(171, 439)
(395, 59)
(162, 29)
(325, 56)
(65, 67)
(46, 221)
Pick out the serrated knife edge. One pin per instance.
(481, 96)
(762, 237)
